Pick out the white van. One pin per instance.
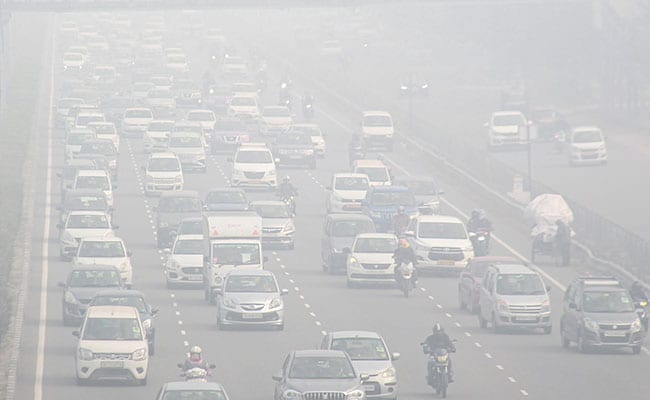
(95, 179)
(587, 146)
(378, 173)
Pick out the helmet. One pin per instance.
(476, 213)
(195, 350)
(401, 209)
(286, 179)
(437, 328)
(404, 243)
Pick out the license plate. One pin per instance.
(195, 278)
(112, 364)
(526, 318)
(615, 333)
(369, 388)
(252, 316)
(446, 262)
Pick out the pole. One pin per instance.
(411, 94)
(530, 160)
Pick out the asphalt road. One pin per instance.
(509, 366)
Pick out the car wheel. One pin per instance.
(636, 350)
(81, 381)
(582, 346)
(495, 325)
(279, 327)
(548, 330)
(564, 339)
(481, 321)
(461, 302)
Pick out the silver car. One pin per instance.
(370, 356)
(250, 297)
(80, 225)
(190, 149)
(278, 227)
(185, 261)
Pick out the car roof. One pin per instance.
(369, 163)
(504, 113)
(250, 272)
(227, 189)
(93, 267)
(354, 334)
(182, 385)
(378, 235)
(437, 218)
(350, 175)
(111, 312)
(494, 259)
(87, 212)
(120, 293)
(348, 217)
(586, 129)
(319, 353)
(180, 193)
(189, 237)
(137, 109)
(376, 112)
(102, 239)
(514, 269)
(391, 188)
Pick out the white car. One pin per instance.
(75, 138)
(112, 345)
(79, 225)
(244, 89)
(104, 74)
(86, 117)
(157, 135)
(162, 82)
(205, 118)
(161, 102)
(232, 65)
(185, 261)
(243, 105)
(275, 120)
(254, 166)
(139, 90)
(507, 128)
(73, 62)
(177, 63)
(95, 179)
(190, 149)
(371, 259)
(587, 146)
(106, 130)
(106, 251)
(440, 242)
(163, 172)
(378, 173)
(136, 121)
(377, 129)
(347, 192)
(316, 134)
(63, 106)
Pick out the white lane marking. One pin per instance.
(172, 295)
(525, 393)
(423, 289)
(430, 297)
(178, 313)
(457, 324)
(499, 367)
(291, 280)
(468, 334)
(312, 314)
(318, 323)
(42, 323)
(511, 379)
(302, 297)
(448, 315)
(307, 305)
(183, 333)
(180, 322)
(296, 288)
(186, 343)
(477, 344)
(323, 333)
(488, 355)
(439, 306)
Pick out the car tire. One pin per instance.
(548, 330)
(582, 346)
(142, 382)
(81, 381)
(636, 350)
(279, 327)
(461, 302)
(564, 339)
(495, 325)
(482, 322)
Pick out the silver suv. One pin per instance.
(514, 296)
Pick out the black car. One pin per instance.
(84, 200)
(187, 93)
(228, 134)
(171, 209)
(294, 148)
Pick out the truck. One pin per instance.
(231, 240)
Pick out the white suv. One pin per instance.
(347, 192)
(377, 129)
(587, 146)
(112, 344)
(440, 242)
(163, 172)
(253, 166)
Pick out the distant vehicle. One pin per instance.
(471, 278)
(108, 251)
(226, 199)
(370, 259)
(163, 172)
(317, 137)
(253, 166)
(587, 146)
(339, 233)
(136, 121)
(192, 390)
(97, 180)
(377, 129)
(382, 203)
(294, 148)
(228, 134)
(156, 136)
(278, 227)
(173, 207)
(507, 128)
(425, 189)
(239, 106)
(377, 172)
(184, 266)
(190, 149)
(275, 120)
(80, 225)
(331, 48)
(347, 192)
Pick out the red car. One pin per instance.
(469, 284)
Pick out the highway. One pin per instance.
(490, 366)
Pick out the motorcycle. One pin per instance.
(405, 274)
(641, 306)
(438, 369)
(481, 242)
(290, 201)
(196, 374)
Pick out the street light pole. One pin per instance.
(411, 94)
(530, 159)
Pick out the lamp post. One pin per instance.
(410, 89)
(530, 158)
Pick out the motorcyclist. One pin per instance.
(286, 188)
(479, 222)
(637, 292)
(404, 254)
(400, 220)
(440, 340)
(195, 360)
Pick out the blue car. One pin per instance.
(382, 204)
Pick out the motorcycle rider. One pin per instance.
(637, 292)
(404, 254)
(400, 220)
(440, 340)
(479, 222)
(286, 190)
(195, 360)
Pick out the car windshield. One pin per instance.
(229, 197)
(77, 139)
(86, 203)
(136, 302)
(185, 141)
(312, 131)
(112, 329)
(94, 278)
(375, 174)
(351, 228)
(68, 103)
(419, 187)
(188, 246)
(508, 120)
(243, 101)
(441, 230)
(105, 147)
(276, 112)
(614, 301)
(103, 128)
(392, 199)
(321, 368)
(362, 348)
(520, 284)
(235, 254)
(138, 114)
(196, 128)
(109, 249)
(243, 87)
(377, 121)
(185, 84)
(351, 183)
(191, 228)
(193, 394)
(85, 119)
(251, 284)
(160, 94)
(295, 139)
(271, 210)
(254, 157)
(92, 182)
(160, 126)
(587, 137)
(91, 221)
(234, 125)
(179, 204)
(166, 164)
(201, 116)
(73, 57)
(375, 245)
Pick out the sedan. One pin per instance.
(278, 227)
(192, 390)
(469, 283)
(80, 225)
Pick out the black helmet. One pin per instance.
(437, 328)
(476, 213)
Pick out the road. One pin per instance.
(509, 366)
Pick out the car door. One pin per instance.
(281, 385)
(484, 299)
(466, 284)
(571, 316)
(325, 244)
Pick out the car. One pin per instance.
(370, 356)
(73, 63)
(130, 298)
(378, 173)
(205, 118)
(177, 63)
(105, 147)
(587, 146)
(253, 166)
(171, 209)
(161, 102)
(548, 122)
(139, 90)
(83, 200)
(294, 148)
(471, 278)
(250, 297)
(112, 345)
(239, 106)
(69, 172)
(347, 192)
(63, 106)
(84, 118)
(95, 179)
(77, 109)
(514, 296)
(192, 390)
(598, 312)
(382, 203)
(156, 135)
(228, 134)
(278, 227)
(316, 134)
(507, 128)
(441, 243)
(79, 225)
(218, 98)
(327, 373)
(187, 93)
(108, 250)
(189, 147)
(275, 120)
(226, 199)
(233, 67)
(184, 265)
(136, 121)
(162, 172)
(339, 233)
(75, 138)
(162, 81)
(425, 189)
(370, 260)
(81, 284)
(104, 76)
(114, 106)
(106, 130)
(377, 129)
(244, 89)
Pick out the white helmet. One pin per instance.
(195, 350)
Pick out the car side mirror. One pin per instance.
(396, 356)
(284, 292)
(277, 376)
(76, 334)
(364, 377)
(573, 306)
(154, 311)
(129, 253)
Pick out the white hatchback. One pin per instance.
(163, 172)
(253, 166)
(371, 259)
(347, 192)
(106, 251)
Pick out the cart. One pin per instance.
(543, 212)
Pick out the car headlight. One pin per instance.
(289, 227)
(139, 354)
(389, 373)
(355, 394)
(442, 358)
(85, 354)
(229, 303)
(69, 298)
(124, 266)
(173, 265)
(146, 324)
(354, 263)
(271, 172)
(275, 303)
(502, 306)
(163, 224)
(636, 325)
(546, 306)
(291, 394)
(591, 325)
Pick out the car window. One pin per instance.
(101, 249)
(188, 246)
(185, 141)
(251, 284)
(112, 329)
(94, 278)
(362, 348)
(166, 164)
(271, 210)
(351, 228)
(321, 368)
(85, 221)
(234, 253)
(351, 183)
(179, 204)
(92, 182)
(392, 199)
(375, 245)
(520, 284)
(230, 197)
(618, 301)
(441, 230)
(136, 302)
(193, 395)
(254, 157)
